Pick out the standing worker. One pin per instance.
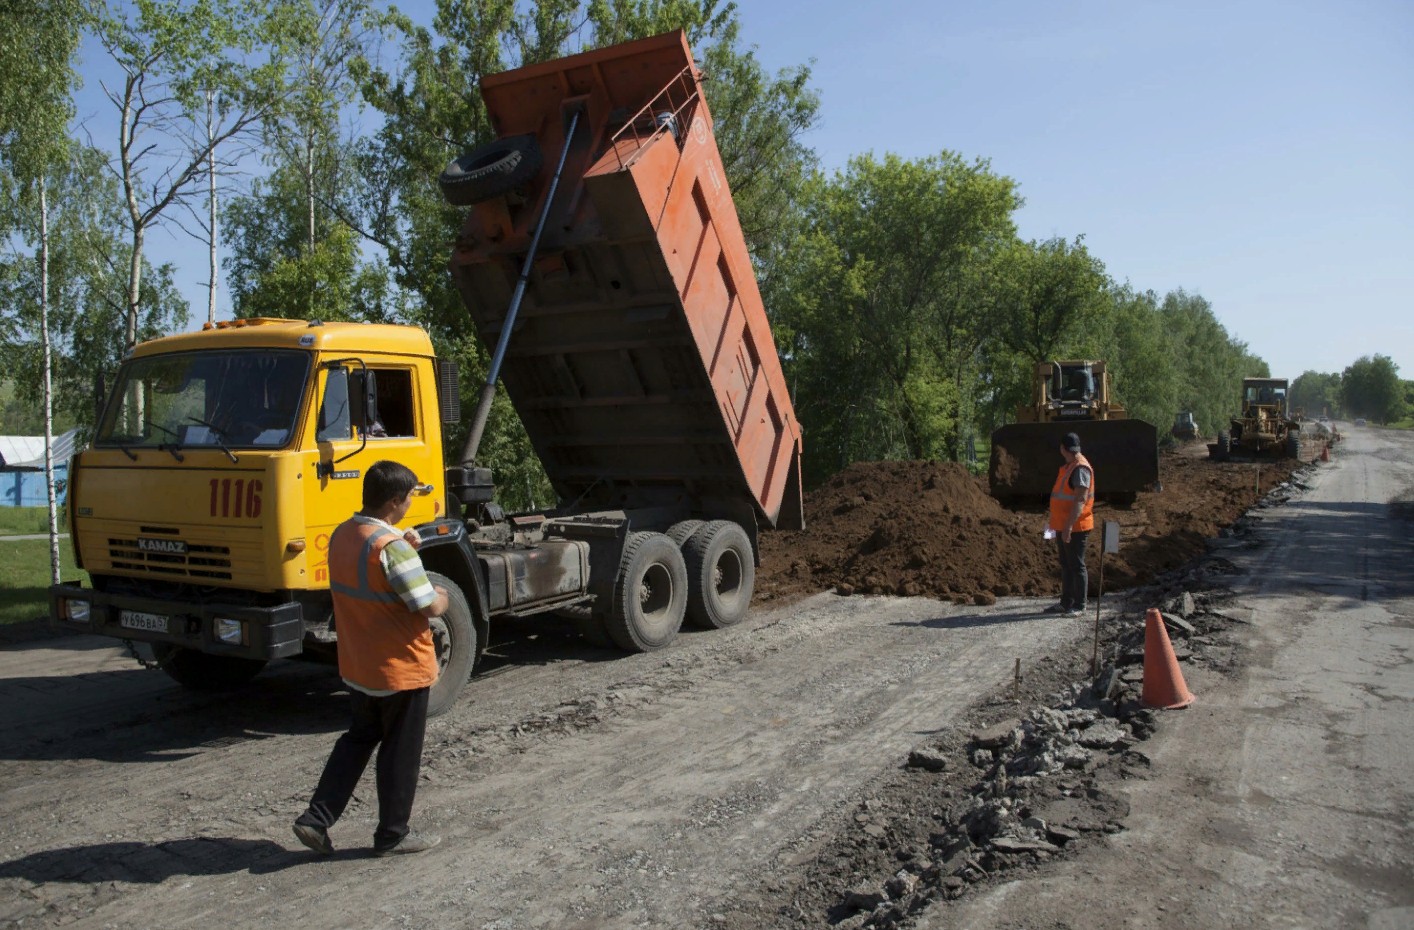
(1071, 520)
(382, 602)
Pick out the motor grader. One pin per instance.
(1264, 427)
(1073, 397)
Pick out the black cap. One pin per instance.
(1070, 442)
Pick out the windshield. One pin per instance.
(1265, 394)
(244, 398)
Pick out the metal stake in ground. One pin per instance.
(1110, 543)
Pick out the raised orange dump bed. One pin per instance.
(641, 361)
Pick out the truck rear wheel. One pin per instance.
(200, 671)
(682, 531)
(650, 594)
(721, 573)
(454, 635)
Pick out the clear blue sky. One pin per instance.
(1260, 154)
(1256, 152)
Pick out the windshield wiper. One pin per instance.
(219, 434)
(175, 448)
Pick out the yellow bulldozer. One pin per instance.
(1073, 397)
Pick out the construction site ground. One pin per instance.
(896, 737)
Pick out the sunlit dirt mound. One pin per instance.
(931, 529)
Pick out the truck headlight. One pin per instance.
(229, 631)
(78, 611)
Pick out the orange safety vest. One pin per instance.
(1063, 498)
(383, 646)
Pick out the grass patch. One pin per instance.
(24, 577)
(24, 521)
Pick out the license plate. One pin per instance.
(137, 620)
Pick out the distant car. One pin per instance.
(1360, 422)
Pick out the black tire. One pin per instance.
(200, 671)
(650, 594)
(721, 573)
(454, 635)
(1293, 445)
(681, 532)
(495, 168)
(1224, 444)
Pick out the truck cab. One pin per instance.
(221, 464)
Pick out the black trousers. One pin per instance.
(1074, 578)
(394, 725)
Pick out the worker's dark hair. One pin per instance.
(1070, 442)
(385, 482)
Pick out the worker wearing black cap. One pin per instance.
(1071, 520)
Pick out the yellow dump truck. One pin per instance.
(613, 279)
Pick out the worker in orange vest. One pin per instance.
(1071, 519)
(382, 602)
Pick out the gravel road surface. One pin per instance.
(578, 788)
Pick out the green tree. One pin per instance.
(1145, 365)
(1371, 388)
(1316, 394)
(1212, 363)
(274, 268)
(88, 267)
(37, 46)
(880, 303)
(173, 58)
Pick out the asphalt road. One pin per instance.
(1284, 797)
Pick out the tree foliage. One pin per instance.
(876, 303)
(1371, 388)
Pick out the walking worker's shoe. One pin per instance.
(1057, 609)
(315, 837)
(412, 843)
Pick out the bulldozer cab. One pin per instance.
(1076, 382)
(1264, 396)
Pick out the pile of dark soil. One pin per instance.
(932, 529)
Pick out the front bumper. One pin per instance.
(265, 632)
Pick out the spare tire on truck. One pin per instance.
(495, 168)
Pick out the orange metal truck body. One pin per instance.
(641, 362)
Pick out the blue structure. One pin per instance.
(22, 469)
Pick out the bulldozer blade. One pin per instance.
(1026, 457)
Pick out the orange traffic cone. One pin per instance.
(1326, 452)
(1163, 682)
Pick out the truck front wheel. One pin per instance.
(454, 635)
(721, 573)
(650, 594)
(199, 671)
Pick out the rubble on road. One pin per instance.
(1025, 784)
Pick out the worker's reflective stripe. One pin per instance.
(363, 559)
(364, 591)
(377, 597)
